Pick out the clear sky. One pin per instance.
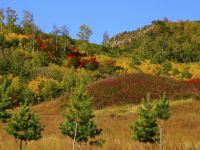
(113, 16)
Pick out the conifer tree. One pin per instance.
(79, 124)
(5, 102)
(145, 128)
(24, 126)
(162, 113)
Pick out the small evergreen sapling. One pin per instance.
(24, 126)
(79, 124)
(145, 128)
(5, 102)
(162, 113)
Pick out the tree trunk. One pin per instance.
(65, 46)
(1, 24)
(33, 38)
(74, 141)
(56, 43)
(79, 146)
(161, 136)
(20, 145)
(145, 146)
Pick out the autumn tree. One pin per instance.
(24, 126)
(29, 26)
(2, 17)
(5, 101)
(11, 19)
(80, 125)
(145, 128)
(84, 33)
(28, 22)
(56, 32)
(162, 113)
(65, 33)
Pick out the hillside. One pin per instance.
(50, 71)
(181, 130)
(40, 66)
(176, 41)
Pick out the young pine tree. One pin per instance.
(5, 102)
(24, 126)
(162, 113)
(145, 128)
(79, 124)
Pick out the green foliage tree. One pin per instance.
(145, 128)
(24, 126)
(11, 19)
(162, 113)
(5, 101)
(84, 33)
(79, 124)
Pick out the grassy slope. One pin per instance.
(181, 131)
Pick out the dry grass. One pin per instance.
(182, 131)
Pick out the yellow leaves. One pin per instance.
(40, 84)
(149, 68)
(103, 58)
(34, 84)
(195, 70)
(125, 63)
(11, 36)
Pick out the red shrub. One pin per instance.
(70, 55)
(90, 64)
(132, 88)
(194, 82)
(74, 49)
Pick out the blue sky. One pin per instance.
(113, 16)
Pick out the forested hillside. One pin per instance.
(163, 40)
(39, 66)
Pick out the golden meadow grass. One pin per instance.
(182, 130)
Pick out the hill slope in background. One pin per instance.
(177, 41)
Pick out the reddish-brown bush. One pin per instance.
(194, 82)
(132, 88)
